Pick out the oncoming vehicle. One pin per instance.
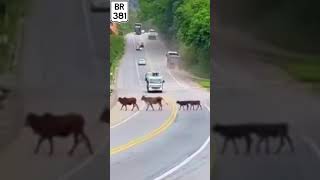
(140, 46)
(152, 34)
(137, 28)
(100, 5)
(142, 62)
(154, 81)
(173, 59)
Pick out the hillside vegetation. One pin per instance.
(185, 22)
(11, 12)
(290, 25)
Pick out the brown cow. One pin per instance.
(128, 101)
(104, 117)
(48, 126)
(153, 100)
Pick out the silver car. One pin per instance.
(142, 62)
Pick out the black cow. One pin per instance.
(48, 126)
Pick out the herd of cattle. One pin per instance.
(260, 130)
(47, 126)
(150, 101)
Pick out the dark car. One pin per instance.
(100, 5)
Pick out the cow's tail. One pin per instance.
(165, 101)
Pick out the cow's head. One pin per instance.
(29, 118)
(216, 128)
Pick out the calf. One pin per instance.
(195, 103)
(128, 101)
(274, 130)
(48, 126)
(183, 104)
(233, 132)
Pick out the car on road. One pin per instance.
(142, 61)
(152, 34)
(100, 5)
(140, 46)
(137, 28)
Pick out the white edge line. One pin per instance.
(81, 165)
(127, 119)
(136, 60)
(313, 145)
(89, 159)
(186, 161)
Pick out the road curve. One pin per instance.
(59, 72)
(185, 136)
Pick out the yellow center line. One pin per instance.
(167, 123)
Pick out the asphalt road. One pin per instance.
(246, 89)
(61, 70)
(187, 134)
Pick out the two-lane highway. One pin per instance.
(166, 150)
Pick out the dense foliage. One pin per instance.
(187, 21)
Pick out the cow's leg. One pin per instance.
(121, 107)
(259, 144)
(267, 146)
(132, 107)
(151, 106)
(236, 150)
(248, 141)
(180, 108)
(224, 145)
(40, 140)
(51, 145)
(160, 106)
(87, 142)
(200, 106)
(280, 145)
(75, 144)
(147, 107)
(290, 142)
(126, 107)
(137, 106)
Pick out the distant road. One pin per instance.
(248, 90)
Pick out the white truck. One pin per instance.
(173, 59)
(154, 81)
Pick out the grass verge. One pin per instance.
(198, 64)
(306, 69)
(10, 18)
(116, 51)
